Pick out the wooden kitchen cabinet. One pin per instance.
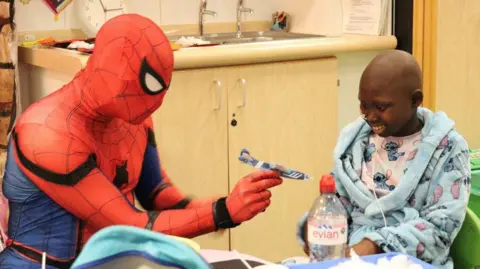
(191, 133)
(283, 112)
(289, 117)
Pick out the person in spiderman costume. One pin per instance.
(77, 157)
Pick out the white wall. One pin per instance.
(323, 17)
(314, 16)
(308, 16)
(37, 16)
(186, 11)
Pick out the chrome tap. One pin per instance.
(204, 11)
(241, 9)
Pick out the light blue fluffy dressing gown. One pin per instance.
(425, 212)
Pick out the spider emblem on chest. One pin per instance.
(121, 175)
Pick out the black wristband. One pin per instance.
(221, 216)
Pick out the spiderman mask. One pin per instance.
(131, 69)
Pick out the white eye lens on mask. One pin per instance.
(152, 83)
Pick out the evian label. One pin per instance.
(327, 234)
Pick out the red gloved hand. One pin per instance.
(251, 195)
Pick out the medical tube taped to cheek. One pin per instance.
(284, 172)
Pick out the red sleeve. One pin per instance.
(164, 194)
(66, 170)
(167, 196)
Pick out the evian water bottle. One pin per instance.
(327, 224)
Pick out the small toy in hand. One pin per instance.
(284, 172)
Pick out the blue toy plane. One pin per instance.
(247, 158)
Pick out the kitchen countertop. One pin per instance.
(69, 61)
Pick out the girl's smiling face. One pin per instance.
(388, 107)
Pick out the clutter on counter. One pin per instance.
(280, 21)
(84, 45)
(190, 40)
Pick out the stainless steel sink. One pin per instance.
(249, 37)
(246, 39)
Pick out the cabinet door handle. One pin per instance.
(219, 94)
(243, 83)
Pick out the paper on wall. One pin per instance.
(366, 17)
